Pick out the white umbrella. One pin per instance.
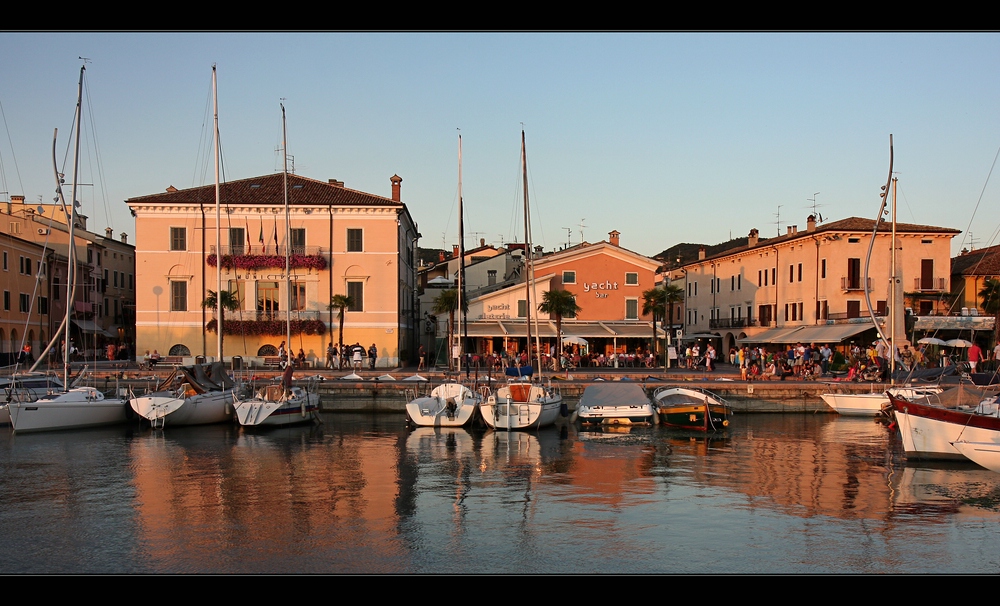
(416, 378)
(352, 377)
(575, 340)
(931, 341)
(958, 343)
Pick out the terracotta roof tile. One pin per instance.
(268, 189)
(982, 262)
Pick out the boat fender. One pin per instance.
(725, 423)
(563, 410)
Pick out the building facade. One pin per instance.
(342, 242)
(811, 279)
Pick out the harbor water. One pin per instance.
(778, 493)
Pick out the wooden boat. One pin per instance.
(615, 404)
(692, 408)
(931, 425)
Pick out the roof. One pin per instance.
(982, 262)
(269, 189)
(585, 248)
(851, 224)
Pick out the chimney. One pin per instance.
(171, 189)
(701, 253)
(482, 241)
(396, 180)
(335, 182)
(753, 238)
(454, 251)
(124, 238)
(613, 238)
(441, 256)
(811, 223)
(109, 233)
(789, 232)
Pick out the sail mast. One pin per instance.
(218, 221)
(527, 246)
(871, 245)
(71, 265)
(461, 260)
(288, 238)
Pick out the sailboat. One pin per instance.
(273, 404)
(521, 404)
(872, 404)
(200, 394)
(449, 404)
(75, 407)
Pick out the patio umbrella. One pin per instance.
(931, 341)
(575, 340)
(958, 343)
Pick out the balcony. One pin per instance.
(271, 323)
(922, 285)
(735, 323)
(267, 257)
(848, 283)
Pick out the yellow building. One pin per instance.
(343, 242)
(808, 286)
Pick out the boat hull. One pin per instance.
(74, 409)
(263, 413)
(165, 408)
(928, 431)
(692, 409)
(985, 454)
(521, 406)
(617, 415)
(448, 405)
(870, 404)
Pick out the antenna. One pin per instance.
(777, 219)
(569, 236)
(815, 207)
(581, 226)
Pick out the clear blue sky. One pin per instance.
(664, 137)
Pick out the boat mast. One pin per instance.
(893, 310)
(871, 245)
(529, 263)
(218, 221)
(461, 261)
(288, 238)
(71, 266)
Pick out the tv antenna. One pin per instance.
(569, 236)
(777, 219)
(815, 208)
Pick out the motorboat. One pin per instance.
(615, 404)
(692, 408)
(521, 405)
(985, 454)
(930, 426)
(271, 407)
(190, 395)
(872, 404)
(448, 405)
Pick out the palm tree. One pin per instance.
(654, 301)
(447, 302)
(340, 303)
(559, 304)
(230, 302)
(990, 294)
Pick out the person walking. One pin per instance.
(331, 355)
(421, 356)
(356, 356)
(372, 356)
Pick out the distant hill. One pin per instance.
(688, 252)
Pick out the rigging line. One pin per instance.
(981, 194)
(12, 154)
(99, 163)
(201, 154)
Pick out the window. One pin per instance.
(569, 277)
(732, 283)
(355, 240)
(55, 288)
(774, 276)
(800, 272)
(739, 282)
(853, 274)
(43, 306)
(6, 300)
(356, 291)
(822, 269)
(239, 288)
(298, 296)
(791, 273)
(131, 284)
(802, 312)
(854, 240)
(237, 240)
(631, 309)
(760, 281)
(178, 240)
(24, 302)
(268, 297)
(522, 308)
(926, 274)
(116, 279)
(631, 278)
(5, 260)
(854, 309)
(491, 277)
(298, 241)
(178, 296)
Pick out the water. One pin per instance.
(362, 494)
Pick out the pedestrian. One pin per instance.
(421, 355)
(372, 356)
(331, 355)
(286, 380)
(975, 356)
(356, 356)
(281, 352)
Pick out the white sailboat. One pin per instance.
(449, 404)
(521, 404)
(73, 407)
(195, 395)
(274, 405)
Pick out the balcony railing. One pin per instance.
(264, 257)
(848, 283)
(272, 323)
(731, 323)
(920, 284)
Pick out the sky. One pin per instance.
(665, 137)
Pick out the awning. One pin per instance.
(829, 333)
(91, 327)
(931, 323)
(515, 328)
(773, 335)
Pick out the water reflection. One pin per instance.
(776, 493)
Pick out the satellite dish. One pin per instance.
(41, 210)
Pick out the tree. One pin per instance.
(447, 302)
(340, 303)
(559, 304)
(990, 294)
(654, 301)
(230, 302)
